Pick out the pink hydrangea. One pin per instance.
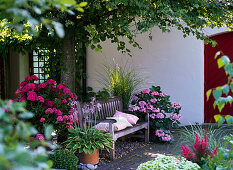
(58, 112)
(42, 119)
(40, 98)
(142, 103)
(159, 133)
(73, 96)
(175, 105)
(146, 91)
(155, 93)
(31, 95)
(152, 116)
(51, 81)
(22, 98)
(176, 116)
(153, 100)
(60, 86)
(49, 110)
(49, 103)
(70, 126)
(23, 83)
(64, 101)
(28, 78)
(34, 77)
(30, 86)
(156, 110)
(166, 137)
(40, 137)
(41, 86)
(66, 90)
(160, 115)
(59, 118)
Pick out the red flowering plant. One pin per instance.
(163, 113)
(199, 151)
(49, 102)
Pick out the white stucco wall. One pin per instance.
(168, 60)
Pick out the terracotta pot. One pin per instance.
(86, 158)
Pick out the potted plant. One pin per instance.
(88, 140)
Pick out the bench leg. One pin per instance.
(112, 151)
(147, 135)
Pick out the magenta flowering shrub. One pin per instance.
(49, 103)
(163, 113)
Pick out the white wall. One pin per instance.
(168, 60)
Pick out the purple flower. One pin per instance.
(160, 116)
(166, 137)
(152, 116)
(159, 133)
(142, 103)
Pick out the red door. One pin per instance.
(216, 77)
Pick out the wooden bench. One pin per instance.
(109, 107)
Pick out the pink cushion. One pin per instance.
(121, 123)
(132, 119)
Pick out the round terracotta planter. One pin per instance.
(86, 158)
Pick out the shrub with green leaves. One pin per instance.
(15, 133)
(64, 159)
(167, 162)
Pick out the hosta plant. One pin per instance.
(163, 113)
(49, 102)
(88, 138)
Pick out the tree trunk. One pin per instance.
(68, 60)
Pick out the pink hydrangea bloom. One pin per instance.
(34, 77)
(70, 126)
(59, 118)
(40, 98)
(28, 78)
(49, 103)
(160, 115)
(146, 91)
(49, 110)
(42, 119)
(40, 137)
(31, 95)
(58, 112)
(51, 81)
(155, 93)
(156, 110)
(23, 83)
(73, 96)
(166, 137)
(175, 105)
(176, 116)
(159, 133)
(153, 100)
(22, 98)
(64, 101)
(152, 116)
(42, 86)
(66, 90)
(60, 86)
(142, 103)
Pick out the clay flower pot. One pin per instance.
(86, 158)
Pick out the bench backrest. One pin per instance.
(108, 108)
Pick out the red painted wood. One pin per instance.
(216, 77)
